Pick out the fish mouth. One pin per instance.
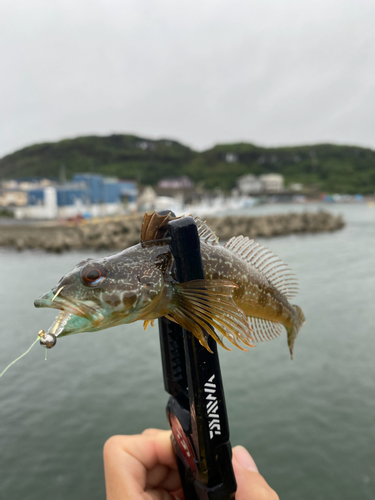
(84, 317)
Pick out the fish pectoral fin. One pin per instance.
(170, 318)
(207, 307)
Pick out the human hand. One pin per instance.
(143, 467)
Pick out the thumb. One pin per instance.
(250, 484)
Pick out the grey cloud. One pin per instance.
(268, 72)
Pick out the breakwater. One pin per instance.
(122, 232)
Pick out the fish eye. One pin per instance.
(93, 276)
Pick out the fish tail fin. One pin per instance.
(298, 321)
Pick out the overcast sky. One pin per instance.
(272, 72)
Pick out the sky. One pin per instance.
(270, 72)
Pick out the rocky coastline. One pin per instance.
(120, 233)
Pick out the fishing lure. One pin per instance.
(244, 297)
(48, 340)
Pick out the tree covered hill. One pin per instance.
(331, 168)
(124, 156)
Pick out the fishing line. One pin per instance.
(56, 294)
(22, 355)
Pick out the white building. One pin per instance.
(146, 201)
(249, 184)
(296, 186)
(13, 197)
(272, 183)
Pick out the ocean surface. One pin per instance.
(309, 423)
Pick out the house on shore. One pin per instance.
(264, 184)
(180, 188)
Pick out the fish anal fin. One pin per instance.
(207, 306)
(265, 330)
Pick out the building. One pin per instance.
(181, 188)
(147, 200)
(176, 183)
(13, 197)
(52, 202)
(249, 184)
(26, 183)
(296, 186)
(268, 183)
(128, 191)
(108, 190)
(272, 183)
(88, 195)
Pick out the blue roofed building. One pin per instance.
(129, 191)
(68, 194)
(35, 197)
(108, 189)
(94, 185)
(88, 194)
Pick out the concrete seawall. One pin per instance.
(120, 233)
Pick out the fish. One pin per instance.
(244, 298)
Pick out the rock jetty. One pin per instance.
(120, 233)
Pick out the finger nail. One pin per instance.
(244, 458)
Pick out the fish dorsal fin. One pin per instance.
(205, 232)
(154, 226)
(267, 263)
(264, 330)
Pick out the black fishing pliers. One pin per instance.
(196, 408)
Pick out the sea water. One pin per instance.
(309, 423)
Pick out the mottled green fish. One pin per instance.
(244, 296)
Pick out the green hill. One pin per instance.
(124, 156)
(331, 168)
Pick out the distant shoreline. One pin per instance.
(122, 232)
(319, 168)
